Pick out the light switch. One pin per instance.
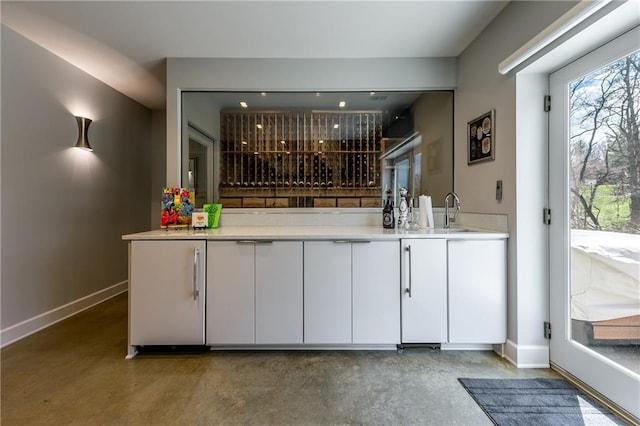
(499, 190)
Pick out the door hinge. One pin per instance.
(546, 216)
(547, 103)
(547, 330)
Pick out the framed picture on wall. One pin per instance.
(481, 138)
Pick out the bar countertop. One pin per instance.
(314, 233)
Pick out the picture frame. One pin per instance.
(481, 138)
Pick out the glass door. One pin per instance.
(594, 178)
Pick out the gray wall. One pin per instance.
(64, 210)
(433, 118)
(158, 152)
(199, 109)
(480, 89)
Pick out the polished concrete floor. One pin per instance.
(74, 373)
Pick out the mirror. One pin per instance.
(316, 149)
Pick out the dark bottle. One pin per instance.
(388, 220)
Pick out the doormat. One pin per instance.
(537, 402)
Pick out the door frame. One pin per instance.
(616, 383)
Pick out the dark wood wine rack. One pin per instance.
(301, 158)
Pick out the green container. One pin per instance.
(214, 211)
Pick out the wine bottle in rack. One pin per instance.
(239, 175)
(259, 174)
(352, 171)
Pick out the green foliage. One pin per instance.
(612, 209)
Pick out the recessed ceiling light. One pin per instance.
(259, 126)
(244, 142)
(342, 104)
(320, 141)
(283, 142)
(255, 152)
(243, 104)
(288, 152)
(335, 126)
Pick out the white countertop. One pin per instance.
(312, 233)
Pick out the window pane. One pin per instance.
(604, 183)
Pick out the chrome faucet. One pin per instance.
(447, 219)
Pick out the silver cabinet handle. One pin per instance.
(254, 241)
(351, 241)
(408, 290)
(196, 260)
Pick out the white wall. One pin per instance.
(480, 89)
(393, 74)
(64, 210)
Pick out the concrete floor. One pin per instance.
(74, 373)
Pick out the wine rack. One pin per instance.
(301, 158)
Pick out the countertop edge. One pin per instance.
(285, 233)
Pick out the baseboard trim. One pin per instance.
(30, 326)
(527, 356)
(602, 399)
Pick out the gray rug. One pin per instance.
(537, 402)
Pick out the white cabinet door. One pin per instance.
(376, 292)
(424, 290)
(230, 293)
(279, 285)
(477, 291)
(327, 292)
(167, 292)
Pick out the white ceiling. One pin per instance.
(124, 43)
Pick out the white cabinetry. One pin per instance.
(477, 291)
(424, 290)
(230, 293)
(166, 292)
(327, 292)
(279, 292)
(255, 292)
(376, 292)
(351, 292)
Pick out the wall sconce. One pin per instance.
(83, 128)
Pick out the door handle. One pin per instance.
(408, 250)
(196, 261)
